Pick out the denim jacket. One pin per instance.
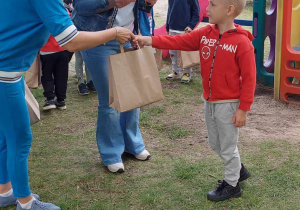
(85, 18)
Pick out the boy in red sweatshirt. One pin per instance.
(229, 79)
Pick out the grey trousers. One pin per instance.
(79, 69)
(223, 137)
(175, 66)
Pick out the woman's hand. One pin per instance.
(141, 41)
(123, 35)
(123, 3)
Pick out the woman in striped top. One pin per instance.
(27, 28)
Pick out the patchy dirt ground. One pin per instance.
(271, 119)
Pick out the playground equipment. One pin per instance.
(288, 39)
(264, 25)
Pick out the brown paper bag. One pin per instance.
(133, 79)
(187, 59)
(33, 75)
(33, 106)
(158, 58)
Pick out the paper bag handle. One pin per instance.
(122, 48)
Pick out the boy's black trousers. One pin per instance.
(55, 72)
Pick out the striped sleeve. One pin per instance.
(56, 19)
(67, 35)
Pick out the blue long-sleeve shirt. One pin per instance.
(182, 13)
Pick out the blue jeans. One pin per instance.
(116, 132)
(15, 137)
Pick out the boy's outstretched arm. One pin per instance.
(184, 42)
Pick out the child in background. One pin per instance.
(55, 72)
(83, 88)
(183, 17)
(146, 19)
(228, 78)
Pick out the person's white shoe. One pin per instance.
(145, 155)
(172, 76)
(116, 168)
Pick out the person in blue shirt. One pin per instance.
(116, 132)
(28, 25)
(182, 17)
(146, 20)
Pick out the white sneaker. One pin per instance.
(145, 155)
(116, 168)
(172, 76)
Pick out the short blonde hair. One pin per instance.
(239, 6)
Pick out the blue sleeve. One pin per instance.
(53, 14)
(195, 11)
(146, 23)
(87, 6)
(56, 19)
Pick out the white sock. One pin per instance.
(27, 205)
(7, 194)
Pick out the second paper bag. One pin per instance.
(187, 59)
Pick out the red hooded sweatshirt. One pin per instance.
(227, 61)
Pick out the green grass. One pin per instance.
(65, 167)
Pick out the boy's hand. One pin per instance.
(141, 41)
(188, 30)
(239, 119)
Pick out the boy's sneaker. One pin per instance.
(145, 155)
(82, 89)
(49, 104)
(224, 191)
(172, 76)
(244, 174)
(61, 105)
(38, 205)
(90, 86)
(11, 200)
(186, 78)
(116, 168)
